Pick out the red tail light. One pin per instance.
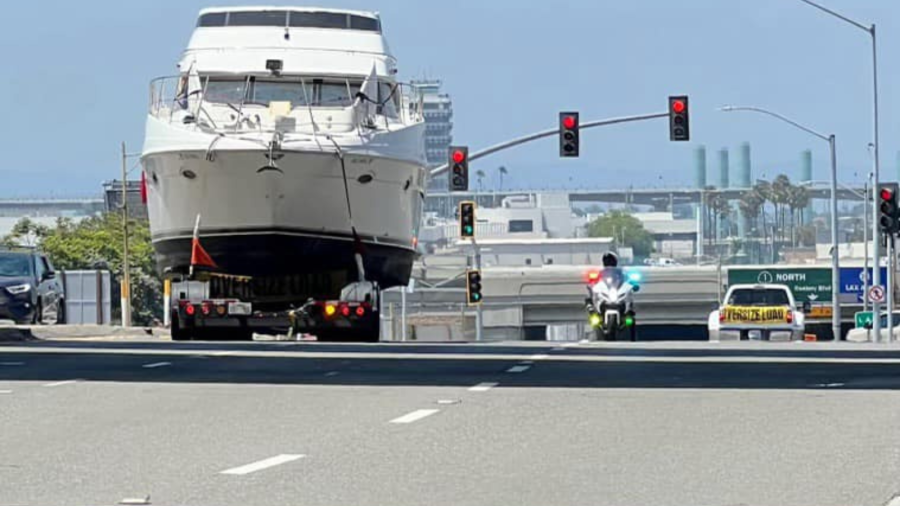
(345, 310)
(593, 277)
(789, 316)
(190, 309)
(205, 309)
(360, 311)
(721, 316)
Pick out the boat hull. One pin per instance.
(291, 218)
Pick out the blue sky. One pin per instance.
(76, 75)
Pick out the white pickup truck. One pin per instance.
(757, 312)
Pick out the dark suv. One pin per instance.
(30, 291)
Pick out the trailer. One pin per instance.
(219, 306)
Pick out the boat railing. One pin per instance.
(241, 104)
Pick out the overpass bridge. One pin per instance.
(659, 198)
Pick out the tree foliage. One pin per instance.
(96, 243)
(626, 229)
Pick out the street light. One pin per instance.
(876, 244)
(835, 254)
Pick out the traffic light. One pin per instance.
(889, 215)
(568, 134)
(459, 168)
(473, 287)
(679, 128)
(467, 219)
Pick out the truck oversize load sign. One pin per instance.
(753, 314)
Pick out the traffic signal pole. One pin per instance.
(548, 133)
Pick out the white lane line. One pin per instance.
(331, 373)
(277, 460)
(539, 356)
(415, 415)
(483, 387)
(5, 392)
(518, 368)
(558, 348)
(526, 362)
(570, 345)
(60, 383)
(12, 363)
(156, 364)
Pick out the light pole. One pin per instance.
(876, 244)
(835, 253)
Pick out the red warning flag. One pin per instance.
(199, 256)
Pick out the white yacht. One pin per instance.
(287, 133)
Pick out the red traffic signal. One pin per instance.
(887, 194)
(458, 161)
(568, 134)
(679, 128)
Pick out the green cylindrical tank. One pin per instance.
(744, 179)
(806, 175)
(700, 167)
(723, 168)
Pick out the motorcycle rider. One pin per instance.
(611, 269)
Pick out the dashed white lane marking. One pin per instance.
(518, 368)
(263, 464)
(5, 392)
(415, 416)
(444, 402)
(570, 345)
(60, 383)
(526, 362)
(331, 373)
(12, 363)
(483, 387)
(539, 356)
(154, 365)
(829, 385)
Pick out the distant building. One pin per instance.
(438, 111)
(112, 198)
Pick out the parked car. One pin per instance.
(30, 291)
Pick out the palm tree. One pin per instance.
(480, 175)
(781, 188)
(502, 170)
(798, 198)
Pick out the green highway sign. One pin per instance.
(862, 319)
(811, 284)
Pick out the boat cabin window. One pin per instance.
(294, 19)
(317, 93)
(258, 18)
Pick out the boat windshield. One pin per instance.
(309, 92)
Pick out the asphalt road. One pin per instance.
(96, 422)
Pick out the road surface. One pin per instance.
(237, 424)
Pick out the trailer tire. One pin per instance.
(179, 333)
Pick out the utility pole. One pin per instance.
(126, 277)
